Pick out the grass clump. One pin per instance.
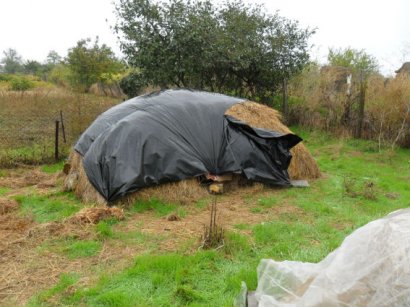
(82, 249)
(66, 281)
(53, 168)
(159, 207)
(48, 208)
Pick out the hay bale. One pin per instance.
(302, 166)
(176, 192)
(96, 214)
(77, 181)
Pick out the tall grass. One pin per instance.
(27, 121)
(320, 100)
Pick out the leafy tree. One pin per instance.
(357, 60)
(53, 58)
(32, 67)
(12, 61)
(362, 65)
(88, 62)
(132, 84)
(232, 48)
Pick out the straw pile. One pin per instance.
(303, 166)
(96, 214)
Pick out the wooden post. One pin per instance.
(362, 99)
(56, 141)
(62, 126)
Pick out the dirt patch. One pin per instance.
(231, 210)
(16, 179)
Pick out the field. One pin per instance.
(149, 259)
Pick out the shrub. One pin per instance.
(21, 84)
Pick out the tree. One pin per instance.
(32, 67)
(232, 48)
(53, 58)
(90, 63)
(12, 62)
(362, 65)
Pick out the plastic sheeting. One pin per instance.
(370, 268)
(174, 135)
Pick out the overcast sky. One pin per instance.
(380, 27)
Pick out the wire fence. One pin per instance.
(42, 126)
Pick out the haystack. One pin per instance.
(302, 166)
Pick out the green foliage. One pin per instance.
(21, 83)
(32, 67)
(48, 208)
(233, 48)
(90, 63)
(132, 84)
(358, 60)
(12, 62)
(60, 75)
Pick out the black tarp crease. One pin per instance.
(174, 135)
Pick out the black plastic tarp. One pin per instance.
(174, 135)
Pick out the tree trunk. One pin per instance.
(360, 118)
(285, 103)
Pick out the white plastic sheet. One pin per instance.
(370, 268)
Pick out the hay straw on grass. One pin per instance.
(302, 166)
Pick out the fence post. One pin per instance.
(56, 141)
(62, 126)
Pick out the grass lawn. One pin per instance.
(359, 184)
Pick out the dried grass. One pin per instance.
(302, 166)
(8, 205)
(77, 181)
(95, 214)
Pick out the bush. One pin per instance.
(21, 84)
(132, 84)
(5, 77)
(60, 75)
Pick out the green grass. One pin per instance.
(160, 208)
(48, 208)
(53, 168)
(170, 280)
(82, 249)
(309, 224)
(66, 280)
(4, 190)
